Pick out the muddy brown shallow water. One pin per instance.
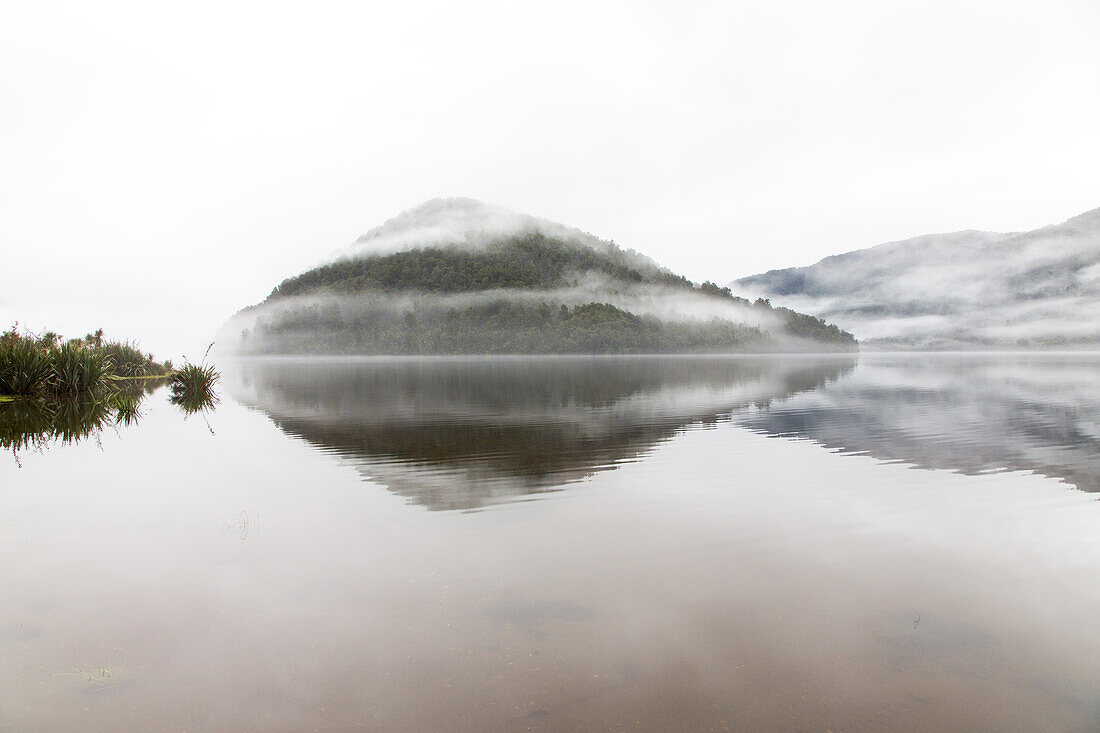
(872, 543)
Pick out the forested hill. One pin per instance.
(528, 261)
(457, 276)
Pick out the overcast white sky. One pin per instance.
(164, 164)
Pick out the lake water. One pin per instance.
(878, 542)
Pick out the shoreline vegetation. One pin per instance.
(55, 390)
(192, 385)
(48, 367)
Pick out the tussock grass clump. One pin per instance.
(192, 385)
(193, 388)
(25, 368)
(194, 380)
(129, 361)
(55, 391)
(78, 369)
(42, 366)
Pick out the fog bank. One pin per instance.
(966, 289)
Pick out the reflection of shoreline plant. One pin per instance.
(36, 423)
(191, 402)
(127, 409)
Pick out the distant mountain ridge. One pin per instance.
(458, 276)
(968, 289)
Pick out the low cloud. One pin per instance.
(666, 303)
(962, 288)
(471, 225)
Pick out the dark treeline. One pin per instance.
(528, 261)
(507, 326)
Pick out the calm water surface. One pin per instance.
(791, 543)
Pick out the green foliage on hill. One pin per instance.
(794, 323)
(530, 261)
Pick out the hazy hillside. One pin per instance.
(962, 290)
(458, 276)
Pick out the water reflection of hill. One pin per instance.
(973, 414)
(462, 433)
